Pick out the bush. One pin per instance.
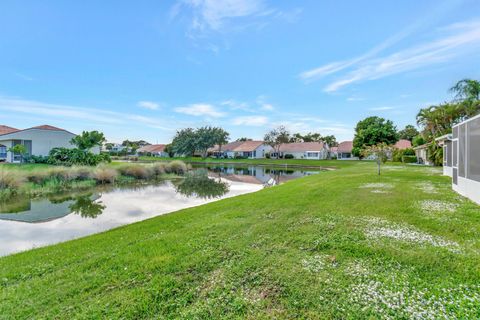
(289, 156)
(409, 159)
(105, 175)
(65, 156)
(177, 167)
(10, 180)
(136, 171)
(267, 155)
(83, 173)
(159, 168)
(36, 159)
(241, 157)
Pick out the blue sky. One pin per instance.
(141, 70)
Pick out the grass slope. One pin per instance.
(341, 244)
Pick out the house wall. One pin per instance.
(42, 141)
(466, 159)
(261, 151)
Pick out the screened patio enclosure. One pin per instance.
(446, 143)
(466, 158)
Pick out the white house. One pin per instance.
(422, 154)
(446, 143)
(466, 158)
(344, 151)
(248, 149)
(37, 140)
(304, 150)
(156, 150)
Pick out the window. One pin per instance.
(473, 150)
(312, 154)
(461, 150)
(454, 153)
(449, 153)
(3, 152)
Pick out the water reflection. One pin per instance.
(199, 184)
(266, 176)
(27, 223)
(86, 207)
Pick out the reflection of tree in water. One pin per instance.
(197, 183)
(86, 207)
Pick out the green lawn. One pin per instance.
(340, 244)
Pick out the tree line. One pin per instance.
(433, 121)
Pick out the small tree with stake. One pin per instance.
(276, 137)
(379, 151)
(19, 149)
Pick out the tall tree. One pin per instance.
(88, 140)
(184, 142)
(331, 140)
(372, 131)
(466, 89)
(221, 137)
(276, 137)
(408, 133)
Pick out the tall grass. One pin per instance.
(50, 179)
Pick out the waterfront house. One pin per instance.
(241, 149)
(38, 141)
(154, 150)
(344, 151)
(303, 150)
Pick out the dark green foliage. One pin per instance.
(88, 140)
(418, 141)
(398, 154)
(68, 157)
(409, 159)
(289, 156)
(372, 131)
(408, 133)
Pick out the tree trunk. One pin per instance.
(378, 164)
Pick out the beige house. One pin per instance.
(37, 140)
(303, 150)
(155, 150)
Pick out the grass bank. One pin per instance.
(340, 244)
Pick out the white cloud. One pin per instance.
(200, 109)
(148, 105)
(453, 42)
(267, 107)
(67, 112)
(236, 105)
(351, 99)
(254, 121)
(381, 108)
(212, 14)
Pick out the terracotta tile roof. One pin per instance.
(403, 144)
(301, 147)
(232, 146)
(345, 146)
(47, 127)
(152, 148)
(7, 129)
(247, 146)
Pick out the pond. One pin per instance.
(28, 223)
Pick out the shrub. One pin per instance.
(105, 175)
(64, 156)
(83, 173)
(177, 167)
(136, 171)
(159, 168)
(409, 159)
(289, 156)
(267, 155)
(10, 180)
